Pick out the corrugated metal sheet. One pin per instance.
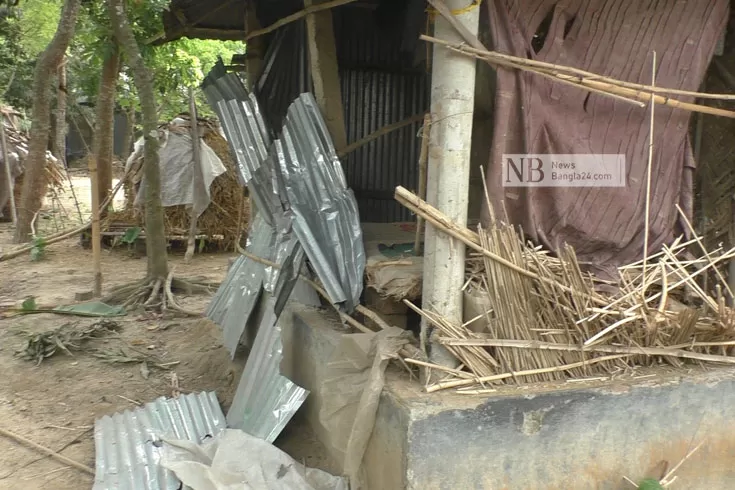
(234, 302)
(286, 72)
(372, 100)
(128, 448)
(326, 218)
(381, 85)
(265, 401)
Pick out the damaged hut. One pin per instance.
(221, 207)
(526, 290)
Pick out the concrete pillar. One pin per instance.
(325, 72)
(452, 105)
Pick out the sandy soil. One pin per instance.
(55, 403)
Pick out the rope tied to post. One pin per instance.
(472, 5)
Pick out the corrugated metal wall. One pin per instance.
(381, 85)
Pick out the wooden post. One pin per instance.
(325, 72)
(423, 158)
(197, 176)
(255, 47)
(8, 171)
(96, 232)
(253, 66)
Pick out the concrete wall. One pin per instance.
(529, 437)
(586, 439)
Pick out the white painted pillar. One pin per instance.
(452, 106)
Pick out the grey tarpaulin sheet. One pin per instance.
(127, 444)
(614, 38)
(176, 161)
(235, 460)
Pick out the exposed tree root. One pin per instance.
(158, 294)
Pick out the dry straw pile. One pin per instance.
(225, 219)
(548, 322)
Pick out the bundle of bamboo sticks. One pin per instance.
(548, 322)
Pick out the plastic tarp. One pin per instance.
(176, 161)
(235, 460)
(351, 394)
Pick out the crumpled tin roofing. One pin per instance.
(234, 302)
(265, 401)
(304, 210)
(127, 444)
(326, 219)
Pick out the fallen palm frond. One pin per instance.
(549, 322)
(66, 338)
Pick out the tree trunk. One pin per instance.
(129, 135)
(34, 180)
(104, 134)
(59, 148)
(155, 236)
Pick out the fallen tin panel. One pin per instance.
(234, 302)
(127, 444)
(304, 210)
(265, 400)
(326, 219)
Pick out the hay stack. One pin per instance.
(225, 219)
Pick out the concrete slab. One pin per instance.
(559, 436)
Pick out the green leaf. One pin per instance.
(36, 254)
(29, 304)
(131, 235)
(650, 484)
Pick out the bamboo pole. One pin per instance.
(482, 52)
(531, 372)
(96, 235)
(423, 161)
(379, 133)
(197, 177)
(608, 349)
(296, 16)
(443, 223)
(616, 89)
(647, 217)
(48, 452)
(8, 172)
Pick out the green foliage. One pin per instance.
(650, 484)
(131, 235)
(16, 66)
(29, 304)
(175, 66)
(38, 20)
(38, 252)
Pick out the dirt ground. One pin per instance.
(56, 403)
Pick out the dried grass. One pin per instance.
(227, 216)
